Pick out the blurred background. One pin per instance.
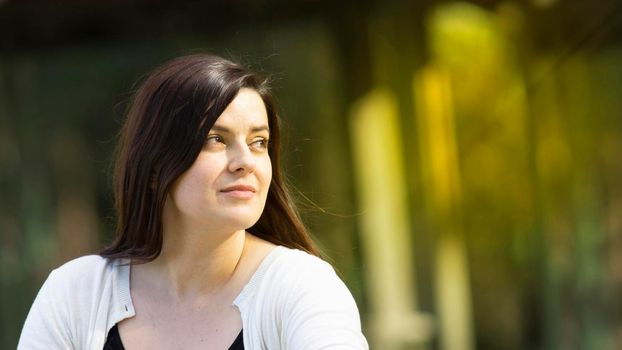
(456, 160)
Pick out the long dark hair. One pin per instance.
(164, 131)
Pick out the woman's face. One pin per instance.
(226, 187)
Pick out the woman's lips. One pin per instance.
(239, 191)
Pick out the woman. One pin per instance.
(209, 250)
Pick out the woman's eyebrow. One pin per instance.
(226, 130)
(260, 128)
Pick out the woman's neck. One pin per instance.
(191, 266)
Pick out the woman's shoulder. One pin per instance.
(299, 263)
(71, 298)
(84, 265)
(305, 302)
(77, 285)
(82, 271)
(292, 271)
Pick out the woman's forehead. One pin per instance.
(247, 111)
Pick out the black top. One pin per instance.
(114, 341)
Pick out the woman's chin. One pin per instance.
(239, 222)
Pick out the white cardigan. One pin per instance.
(293, 301)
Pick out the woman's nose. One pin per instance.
(241, 159)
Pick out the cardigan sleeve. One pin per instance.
(47, 323)
(320, 312)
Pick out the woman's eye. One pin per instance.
(260, 144)
(214, 140)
